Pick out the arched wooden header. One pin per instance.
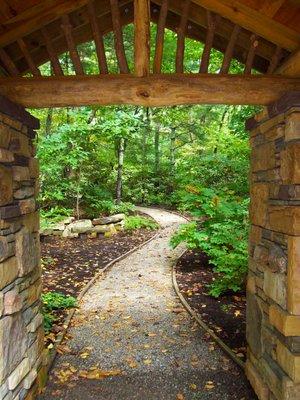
(256, 38)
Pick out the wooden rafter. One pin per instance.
(181, 36)
(254, 21)
(270, 7)
(251, 54)
(8, 63)
(52, 55)
(154, 90)
(275, 60)
(209, 40)
(160, 35)
(142, 37)
(67, 28)
(291, 67)
(33, 68)
(119, 43)
(229, 51)
(98, 38)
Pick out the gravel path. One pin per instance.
(132, 325)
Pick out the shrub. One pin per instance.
(137, 222)
(53, 301)
(221, 232)
(53, 216)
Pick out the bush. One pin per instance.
(221, 232)
(53, 301)
(53, 216)
(137, 222)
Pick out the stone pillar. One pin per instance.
(273, 290)
(21, 332)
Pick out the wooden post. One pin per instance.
(229, 50)
(119, 44)
(142, 37)
(67, 28)
(8, 63)
(98, 38)
(275, 60)
(181, 36)
(251, 54)
(52, 55)
(33, 68)
(209, 40)
(160, 35)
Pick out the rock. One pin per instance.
(27, 206)
(30, 378)
(92, 235)
(288, 325)
(260, 388)
(6, 186)
(109, 220)
(27, 251)
(68, 220)
(81, 226)
(24, 192)
(101, 228)
(254, 324)
(112, 231)
(6, 156)
(35, 323)
(1, 304)
(275, 287)
(59, 227)
(20, 173)
(12, 332)
(12, 302)
(68, 234)
(293, 276)
(277, 260)
(34, 169)
(19, 373)
(288, 361)
(8, 271)
(7, 248)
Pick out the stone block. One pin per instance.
(27, 251)
(10, 211)
(12, 302)
(24, 192)
(81, 226)
(259, 203)
(27, 206)
(34, 169)
(19, 144)
(35, 323)
(285, 323)
(33, 293)
(292, 127)
(288, 361)
(277, 259)
(259, 386)
(109, 220)
(254, 323)
(30, 378)
(13, 123)
(6, 185)
(6, 156)
(285, 219)
(251, 286)
(263, 157)
(5, 134)
(20, 173)
(293, 276)
(8, 271)
(1, 304)
(13, 343)
(31, 222)
(255, 234)
(290, 164)
(275, 287)
(7, 248)
(19, 373)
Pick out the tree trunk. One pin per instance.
(121, 151)
(146, 131)
(156, 150)
(172, 152)
(48, 125)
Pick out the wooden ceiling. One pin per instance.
(261, 32)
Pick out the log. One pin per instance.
(291, 66)
(209, 40)
(160, 36)
(8, 63)
(52, 55)
(154, 90)
(119, 43)
(229, 50)
(67, 28)
(251, 54)
(142, 37)
(181, 36)
(33, 68)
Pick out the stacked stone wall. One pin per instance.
(21, 332)
(273, 290)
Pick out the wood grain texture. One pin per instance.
(142, 37)
(67, 29)
(291, 67)
(119, 43)
(160, 36)
(212, 21)
(229, 50)
(181, 36)
(154, 90)
(8, 63)
(33, 68)
(52, 55)
(251, 54)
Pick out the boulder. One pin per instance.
(68, 234)
(101, 228)
(112, 219)
(68, 220)
(81, 226)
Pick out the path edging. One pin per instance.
(199, 320)
(66, 325)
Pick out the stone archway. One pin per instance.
(273, 365)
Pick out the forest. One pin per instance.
(195, 159)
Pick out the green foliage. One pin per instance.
(221, 232)
(54, 215)
(134, 222)
(53, 301)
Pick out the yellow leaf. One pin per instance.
(193, 386)
(147, 361)
(180, 396)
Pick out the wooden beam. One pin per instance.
(254, 21)
(154, 90)
(181, 36)
(160, 36)
(98, 38)
(270, 7)
(119, 43)
(275, 60)
(67, 28)
(209, 40)
(291, 67)
(251, 54)
(8, 63)
(142, 37)
(229, 50)
(52, 55)
(33, 68)
(35, 17)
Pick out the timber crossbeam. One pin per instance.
(152, 91)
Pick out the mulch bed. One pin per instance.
(225, 315)
(69, 264)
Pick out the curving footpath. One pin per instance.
(132, 324)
